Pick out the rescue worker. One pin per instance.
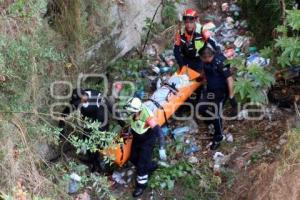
(218, 89)
(92, 105)
(189, 41)
(145, 133)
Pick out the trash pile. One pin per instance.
(160, 69)
(123, 176)
(232, 35)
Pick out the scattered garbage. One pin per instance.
(228, 137)
(165, 130)
(123, 177)
(234, 8)
(118, 177)
(225, 7)
(191, 128)
(267, 152)
(140, 94)
(193, 148)
(256, 59)
(194, 128)
(252, 50)
(193, 160)
(74, 183)
(181, 131)
(163, 164)
(219, 161)
(244, 114)
(240, 41)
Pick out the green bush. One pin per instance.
(263, 16)
(252, 81)
(287, 46)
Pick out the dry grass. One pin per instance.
(20, 165)
(290, 156)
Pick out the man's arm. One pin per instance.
(177, 50)
(157, 131)
(102, 117)
(61, 124)
(230, 85)
(66, 112)
(212, 42)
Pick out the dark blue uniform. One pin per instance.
(94, 109)
(216, 92)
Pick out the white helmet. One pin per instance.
(134, 105)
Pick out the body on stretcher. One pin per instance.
(163, 103)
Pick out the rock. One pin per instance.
(132, 16)
(282, 141)
(129, 20)
(240, 162)
(83, 196)
(151, 51)
(47, 151)
(2, 78)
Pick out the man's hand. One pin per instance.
(162, 154)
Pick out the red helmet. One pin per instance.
(190, 13)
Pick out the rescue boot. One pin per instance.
(216, 143)
(139, 190)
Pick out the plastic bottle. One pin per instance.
(192, 149)
(165, 130)
(73, 185)
(179, 132)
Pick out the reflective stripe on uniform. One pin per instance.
(99, 100)
(142, 179)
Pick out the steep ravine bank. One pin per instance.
(105, 32)
(37, 56)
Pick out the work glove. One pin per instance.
(162, 154)
(234, 106)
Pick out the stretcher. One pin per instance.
(120, 153)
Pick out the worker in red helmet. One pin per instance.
(190, 40)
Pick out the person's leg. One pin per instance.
(205, 108)
(144, 163)
(217, 122)
(134, 152)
